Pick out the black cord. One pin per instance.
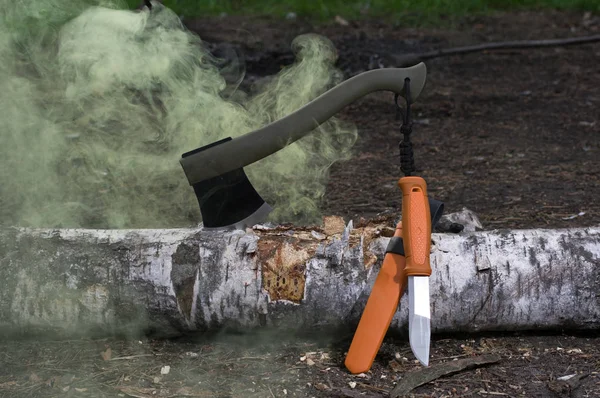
(407, 159)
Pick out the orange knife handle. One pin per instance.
(378, 313)
(416, 224)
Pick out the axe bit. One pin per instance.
(226, 197)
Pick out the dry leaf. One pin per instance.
(34, 378)
(310, 362)
(80, 389)
(107, 355)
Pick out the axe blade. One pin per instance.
(228, 201)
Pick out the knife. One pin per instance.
(416, 225)
(387, 290)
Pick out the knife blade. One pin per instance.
(419, 317)
(416, 226)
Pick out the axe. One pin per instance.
(226, 197)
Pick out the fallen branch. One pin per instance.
(343, 392)
(412, 380)
(566, 387)
(406, 60)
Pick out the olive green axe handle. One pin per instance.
(231, 154)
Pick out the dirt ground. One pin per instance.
(281, 366)
(511, 135)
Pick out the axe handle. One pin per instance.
(228, 155)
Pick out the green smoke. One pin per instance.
(97, 104)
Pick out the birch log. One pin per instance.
(170, 282)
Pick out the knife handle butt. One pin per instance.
(416, 224)
(378, 313)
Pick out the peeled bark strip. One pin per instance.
(414, 379)
(102, 282)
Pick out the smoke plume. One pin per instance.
(97, 104)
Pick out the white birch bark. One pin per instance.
(169, 282)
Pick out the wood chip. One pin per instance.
(322, 386)
(333, 225)
(107, 355)
(341, 21)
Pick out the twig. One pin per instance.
(413, 59)
(133, 356)
(370, 387)
(416, 379)
(452, 357)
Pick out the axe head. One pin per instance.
(228, 201)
